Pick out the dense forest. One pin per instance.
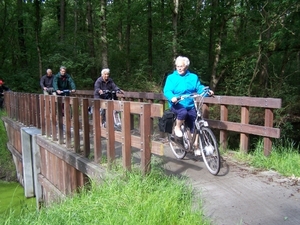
(237, 47)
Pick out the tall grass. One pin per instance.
(284, 158)
(7, 168)
(125, 198)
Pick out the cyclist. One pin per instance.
(103, 84)
(46, 83)
(182, 82)
(63, 81)
(2, 89)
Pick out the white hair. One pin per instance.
(106, 70)
(48, 70)
(183, 59)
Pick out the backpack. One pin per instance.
(165, 123)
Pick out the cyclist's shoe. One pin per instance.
(178, 132)
(178, 140)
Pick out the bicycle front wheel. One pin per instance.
(176, 145)
(210, 151)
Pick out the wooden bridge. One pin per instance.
(54, 155)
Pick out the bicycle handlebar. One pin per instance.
(203, 94)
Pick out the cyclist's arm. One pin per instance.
(72, 84)
(42, 81)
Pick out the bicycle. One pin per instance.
(65, 93)
(109, 95)
(208, 147)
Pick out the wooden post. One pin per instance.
(244, 138)
(145, 137)
(51, 104)
(126, 135)
(223, 133)
(110, 133)
(68, 112)
(60, 120)
(268, 123)
(86, 127)
(97, 131)
(76, 125)
(42, 114)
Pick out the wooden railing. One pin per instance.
(244, 104)
(28, 112)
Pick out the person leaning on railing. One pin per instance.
(105, 83)
(63, 81)
(46, 83)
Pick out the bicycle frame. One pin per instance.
(208, 147)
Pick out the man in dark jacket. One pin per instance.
(63, 81)
(46, 83)
(2, 89)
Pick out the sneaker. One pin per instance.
(178, 132)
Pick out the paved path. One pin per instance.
(239, 194)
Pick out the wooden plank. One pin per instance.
(245, 128)
(86, 127)
(76, 124)
(125, 138)
(97, 131)
(268, 123)
(223, 133)
(42, 114)
(274, 103)
(60, 107)
(68, 114)
(145, 138)
(49, 186)
(110, 133)
(53, 117)
(79, 162)
(244, 138)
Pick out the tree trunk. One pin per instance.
(62, 20)
(37, 28)
(90, 34)
(103, 34)
(175, 26)
(21, 35)
(128, 28)
(150, 60)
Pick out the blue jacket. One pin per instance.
(177, 85)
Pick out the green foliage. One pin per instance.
(284, 158)
(7, 169)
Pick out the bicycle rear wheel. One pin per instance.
(117, 121)
(210, 150)
(176, 145)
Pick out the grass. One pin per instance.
(284, 158)
(7, 167)
(125, 198)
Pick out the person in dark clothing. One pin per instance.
(2, 89)
(105, 83)
(63, 81)
(46, 83)
(104, 86)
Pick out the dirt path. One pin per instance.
(240, 194)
